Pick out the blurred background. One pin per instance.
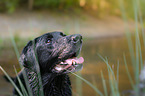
(102, 23)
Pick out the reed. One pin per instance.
(136, 54)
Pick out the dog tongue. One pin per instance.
(77, 60)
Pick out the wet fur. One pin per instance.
(61, 47)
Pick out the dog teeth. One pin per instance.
(58, 68)
(61, 63)
(73, 63)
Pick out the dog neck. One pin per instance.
(56, 84)
(53, 84)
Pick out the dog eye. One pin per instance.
(48, 41)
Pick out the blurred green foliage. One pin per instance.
(8, 5)
(56, 4)
(97, 7)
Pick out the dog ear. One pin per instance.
(29, 60)
(27, 56)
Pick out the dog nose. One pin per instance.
(76, 38)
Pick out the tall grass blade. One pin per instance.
(14, 44)
(137, 45)
(91, 85)
(17, 54)
(111, 82)
(137, 64)
(117, 73)
(130, 44)
(104, 84)
(79, 85)
(128, 73)
(106, 62)
(12, 82)
(141, 21)
(20, 83)
(112, 79)
(131, 50)
(139, 52)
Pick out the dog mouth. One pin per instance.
(68, 60)
(72, 64)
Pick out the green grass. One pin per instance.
(113, 85)
(21, 84)
(18, 55)
(90, 84)
(135, 53)
(112, 78)
(12, 82)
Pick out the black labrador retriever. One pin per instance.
(53, 55)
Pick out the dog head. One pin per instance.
(55, 53)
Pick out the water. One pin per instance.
(112, 48)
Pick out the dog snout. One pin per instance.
(76, 38)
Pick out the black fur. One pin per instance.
(49, 50)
